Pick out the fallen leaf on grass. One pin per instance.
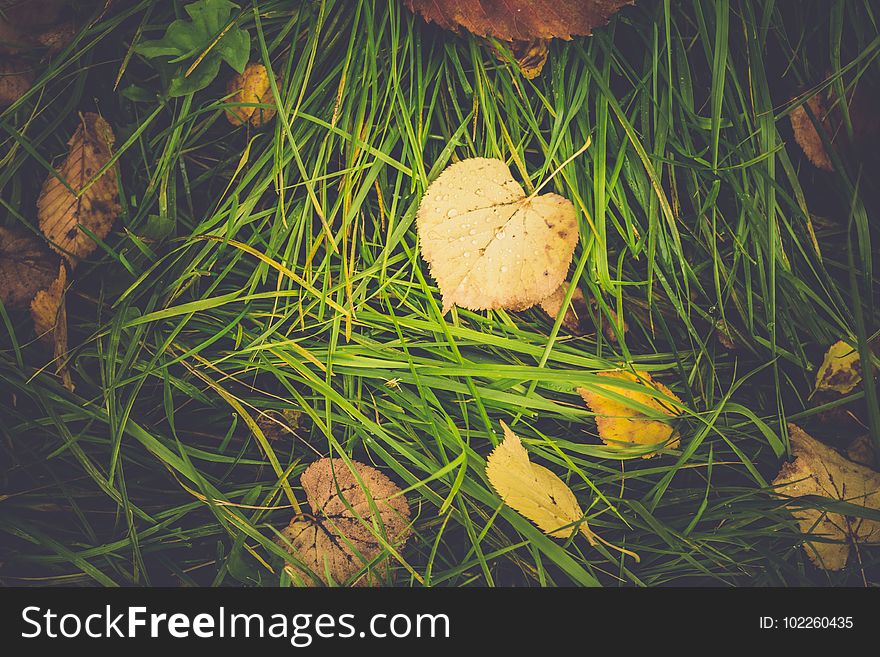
(488, 244)
(251, 86)
(50, 322)
(27, 266)
(95, 207)
(841, 370)
(829, 114)
(530, 56)
(861, 450)
(29, 24)
(537, 493)
(534, 491)
(819, 470)
(620, 424)
(276, 425)
(519, 20)
(576, 315)
(16, 77)
(341, 540)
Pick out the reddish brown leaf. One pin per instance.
(519, 20)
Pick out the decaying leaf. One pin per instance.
(345, 536)
(861, 107)
(534, 491)
(16, 77)
(95, 207)
(519, 20)
(27, 266)
(819, 470)
(29, 24)
(276, 425)
(621, 424)
(530, 56)
(841, 370)
(50, 322)
(576, 315)
(488, 244)
(861, 450)
(251, 86)
(805, 133)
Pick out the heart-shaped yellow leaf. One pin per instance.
(488, 244)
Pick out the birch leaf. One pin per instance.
(343, 536)
(95, 206)
(621, 424)
(490, 246)
(819, 470)
(50, 322)
(841, 370)
(532, 490)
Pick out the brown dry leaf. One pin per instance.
(620, 424)
(805, 133)
(16, 77)
(576, 315)
(276, 425)
(861, 450)
(96, 208)
(29, 24)
(336, 540)
(251, 86)
(519, 20)
(27, 266)
(862, 107)
(841, 370)
(820, 470)
(50, 322)
(530, 56)
(532, 490)
(488, 244)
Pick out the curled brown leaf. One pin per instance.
(48, 310)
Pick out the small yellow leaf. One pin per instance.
(531, 56)
(533, 490)
(819, 470)
(620, 424)
(841, 371)
(251, 86)
(488, 244)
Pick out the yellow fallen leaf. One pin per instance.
(488, 244)
(841, 370)
(250, 86)
(537, 493)
(819, 470)
(620, 424)
(576, 314)
(533, 490)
